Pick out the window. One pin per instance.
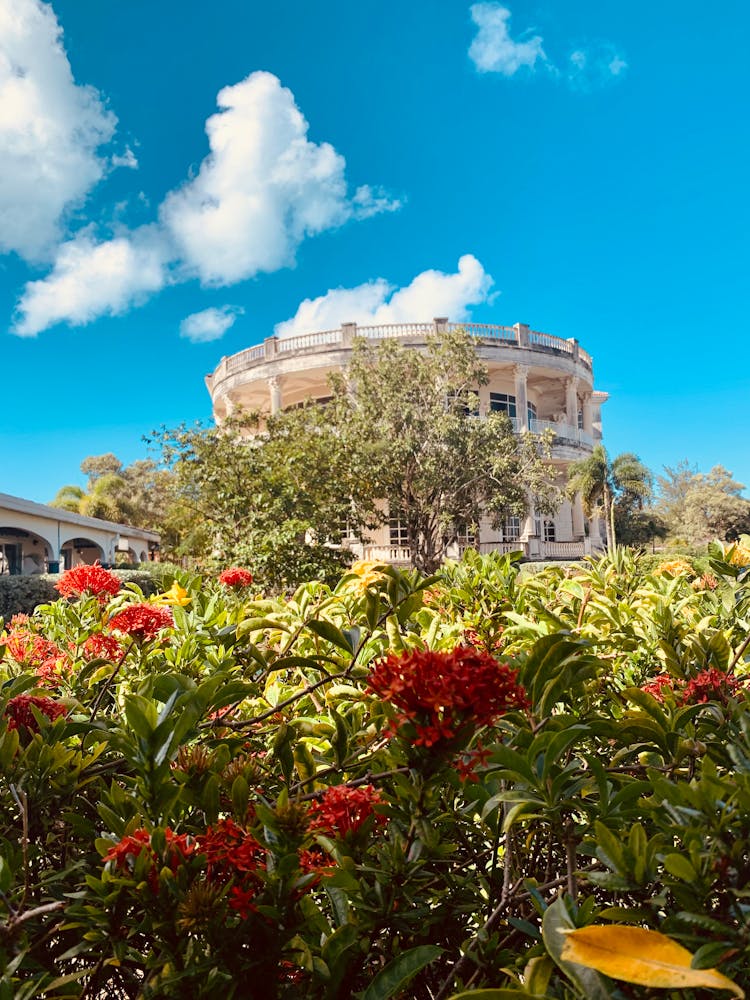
(512, 529)
(466, 402)
(467, 536)
(580, 420)
(398, 532)
(549, 531)
(501, 402)
(531, 413)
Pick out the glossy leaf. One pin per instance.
(640, 956)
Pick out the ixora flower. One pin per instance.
(141, 621)
(738, 555)
(99, 645)
(93, 580)
(659, 686)
(236, 577)
(370, 573)
(674, 567)
(441, 692)
(709, 685)
(343, 810)
(19, 711)
(176, 595)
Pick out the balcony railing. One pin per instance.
(563, 432)
(511, 336)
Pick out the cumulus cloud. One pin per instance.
(262, 189)
(92, 279)
(209, 324)
(50, 131)
(429, 294)
(493, 50)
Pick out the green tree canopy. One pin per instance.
(701, 506)
(408, 420)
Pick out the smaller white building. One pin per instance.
(36, 538)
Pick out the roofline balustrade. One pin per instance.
(518, 336)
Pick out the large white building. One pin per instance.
(539, 380)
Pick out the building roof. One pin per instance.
(21, 506)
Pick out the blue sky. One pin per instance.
(578, 166)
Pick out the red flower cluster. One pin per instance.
(343, 810)
(233, 854)
(88, 579)
(178, 848)
(142, 621)
(709, 685)
(103, 646)
(659, 686)
(440, 692)
(19, 711)
(236, 577)
(33, 650)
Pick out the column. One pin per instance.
(588, 414)
(522, 407)
(578, 518)
(571, 401)
(275, 392)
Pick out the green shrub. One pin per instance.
(395, 787)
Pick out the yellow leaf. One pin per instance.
(640, 956)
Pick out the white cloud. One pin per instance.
(127, 159)
(595, 66)
(50, 130)
(262, 189)
(91, 279)
(493, 50)
(430, 294)
(210, 324)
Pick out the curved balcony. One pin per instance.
(519, 336)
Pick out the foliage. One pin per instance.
(254, 802)
(619, 487)
(275, 497)
(699, 506)
(409, 419)
(22, 594)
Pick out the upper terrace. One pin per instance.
(519, 337)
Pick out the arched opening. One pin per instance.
(80, 552)
(23, 553)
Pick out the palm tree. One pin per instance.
(601, 483)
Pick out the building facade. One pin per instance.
(540, 381)
(36, 538)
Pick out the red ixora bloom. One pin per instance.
(440, 692)
(142, 621)
(177, 848)
(343, 810)
(101, 645)
(93, 580)
(236, 577)
(709, 685)
(19, 711)
(659, 686)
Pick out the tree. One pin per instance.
(603, 483)
(408, 420)
(274, 498)
(700, 506)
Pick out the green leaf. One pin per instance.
(391, 980)
(329, 632)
